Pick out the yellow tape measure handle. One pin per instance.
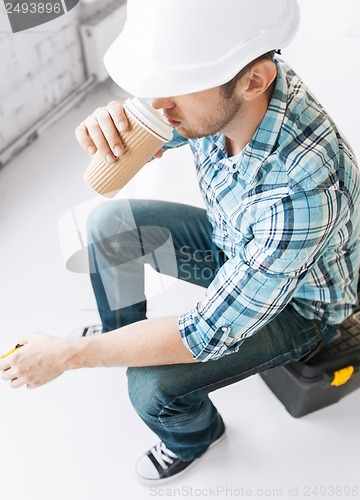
(12, 350)
(342, 376)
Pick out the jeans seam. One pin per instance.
(181, 415)
(311, 343)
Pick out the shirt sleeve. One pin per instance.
(177, 141)
(255, 285)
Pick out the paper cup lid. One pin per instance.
(149, 117)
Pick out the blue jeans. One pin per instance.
(173, 399)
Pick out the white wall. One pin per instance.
(39, 67)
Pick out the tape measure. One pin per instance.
(12, 350)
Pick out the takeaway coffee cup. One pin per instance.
(148, 131)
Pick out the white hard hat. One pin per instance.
(175, 47)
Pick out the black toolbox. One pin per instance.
(333, 372)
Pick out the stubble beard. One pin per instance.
(227, 109)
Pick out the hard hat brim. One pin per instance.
(146, 69)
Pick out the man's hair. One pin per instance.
(229, 87)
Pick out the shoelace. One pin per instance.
(163, 455)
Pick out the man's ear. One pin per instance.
(258, 79)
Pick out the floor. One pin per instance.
(78, 437)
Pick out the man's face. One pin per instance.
(201, 113)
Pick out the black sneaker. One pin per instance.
(159, 464)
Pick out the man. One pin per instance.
(278, 238)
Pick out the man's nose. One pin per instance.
(162, 103)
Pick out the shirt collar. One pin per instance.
(249, 160)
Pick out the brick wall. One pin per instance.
(39, 67)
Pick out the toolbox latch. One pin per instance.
(340, 377)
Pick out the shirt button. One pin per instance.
(234, 166)
(225, 328)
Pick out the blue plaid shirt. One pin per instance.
(286, 212)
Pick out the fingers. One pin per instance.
(4, 363)
(159, 154)
(17, 378)
(36, 363)
(12, 374)
(118, 116)
(101, 131)
(16, 383)
(5, 375)
(9, 375)
(84, 139)
(106, 136)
